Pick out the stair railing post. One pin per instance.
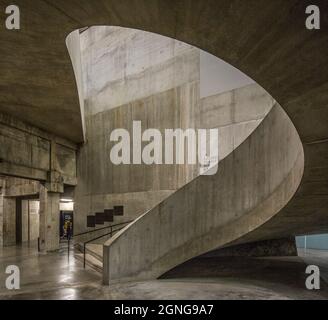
(68, 248)
(84, 255)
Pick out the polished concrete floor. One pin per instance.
(55, 276)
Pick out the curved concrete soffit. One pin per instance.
(74, 51)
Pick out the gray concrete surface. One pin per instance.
(55, 277)
(303, 86)
(28, 152)
(213, 211)
(131, 75)
(1, 212)
(43, 220)
(49, 220)
(9, 221)
(285, 58)
(31, 220)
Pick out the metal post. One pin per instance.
(28, 224)
(68, 248)
(84, 255)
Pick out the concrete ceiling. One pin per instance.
(37, 83)
(267, 40)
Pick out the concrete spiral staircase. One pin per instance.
(251, 186)
(260, 191)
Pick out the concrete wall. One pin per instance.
(34, 220)
(9, 221)
(123, 65)
(17, 187)
(34, 152)
(28, 152)
(49, 220)
(2, 190)
(66, 206)
(236, 113)
(39, 218)
(133, 75)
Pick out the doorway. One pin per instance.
(66, 219)
(27, 219)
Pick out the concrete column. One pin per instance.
(49, 220)
(1, 214)
(25, 221)
(9, 221)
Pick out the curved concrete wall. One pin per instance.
(252, 184)
(134, 75)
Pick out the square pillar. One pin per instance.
(9, 221)
(1, 215)
(49, 220)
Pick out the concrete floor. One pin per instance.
(54, 276)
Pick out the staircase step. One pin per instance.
(118, 210)
(93, 249)
(90, 261)
(93, 256)
(96, 250)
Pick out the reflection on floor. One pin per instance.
(54, 276)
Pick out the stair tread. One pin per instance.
(90, 260)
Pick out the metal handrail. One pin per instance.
(99, 229)
(104, 235)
